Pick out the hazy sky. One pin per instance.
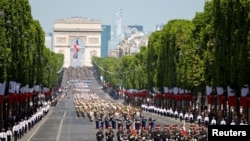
(148, 13)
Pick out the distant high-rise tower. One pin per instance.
(106, 36)
(48, 41)
(117, 27)
(117, 31)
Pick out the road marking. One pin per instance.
(40, 124)
(60, 127)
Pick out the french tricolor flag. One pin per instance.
(76, 49)
(231, 97)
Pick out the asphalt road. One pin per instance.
(63, 124)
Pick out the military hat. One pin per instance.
(157, 126)
(166, 126)
(175, 126)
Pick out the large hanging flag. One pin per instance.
(231, 97)
(209, 96)
(76, 49)
(220, 92)
(2, 91)
(243, 99)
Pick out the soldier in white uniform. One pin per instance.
(176, 114)
(206, 120)
(9, 134)
(232, 123)
(181, 116)
(213, 121)
(186, 116)
(3, 135)
(222, 122)
(191, 118)
(199, 119)
(15, 131)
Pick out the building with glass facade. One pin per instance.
(105, 38)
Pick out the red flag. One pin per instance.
(231, 97)
(209, 96)
(220, 92)
(183, 130)
(2, 91)
(243, 99)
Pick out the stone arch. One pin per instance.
(87, 31)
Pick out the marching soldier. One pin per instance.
(15, 131)
(186, 116)
(157, 133)
(181, 116)
(109, 134)
(100, 135)
(206, 120)
(165, 133)
(222, 122)
(143, 134)
(144, 122)
(125, 135)
(149, 136)
(137, 123)
(106, 121)
(199, 118)
(97, 122)
(213, 121)
(9, 134)
(176, 114)
(151, 122)
(3, 135)
(119, 134)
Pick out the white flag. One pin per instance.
(2, 88)
(220, 90)
(208, 90)
(12, 87)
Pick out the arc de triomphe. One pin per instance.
(85, 32)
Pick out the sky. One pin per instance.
(148, 13)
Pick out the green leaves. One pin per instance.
(22, 47)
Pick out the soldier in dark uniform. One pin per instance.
(99, 134)
(144, 122)
(149, 135)
(137, 123)
(157, 133)
(119, 134)
(125, 135)
(113, 122)
(128, 123)
(109, 134)
(106, 121)
(143, 134)
(119, 123)
(151, 122)
(165, 135)
(97, 122)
